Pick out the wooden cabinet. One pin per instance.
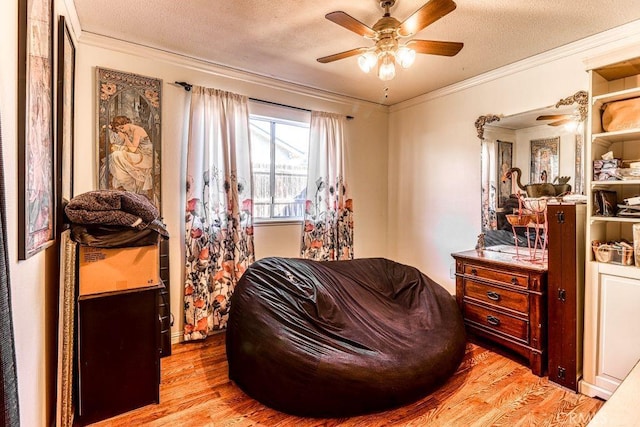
(504, 300)
(164, 302)
(612, 290)
(117, 352)
(566, 231)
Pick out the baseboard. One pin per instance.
(593, 390)
(177, 337)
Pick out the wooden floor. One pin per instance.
(488, 389)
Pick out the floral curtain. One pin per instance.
(328, 221)
(219, 230)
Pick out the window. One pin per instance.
(279, 152)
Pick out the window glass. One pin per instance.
(279, 154)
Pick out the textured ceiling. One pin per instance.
(283, 38)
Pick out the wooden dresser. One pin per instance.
(118, 353)
(504, 300)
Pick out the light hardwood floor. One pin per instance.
(488, 389)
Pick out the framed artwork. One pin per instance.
(64, 154)
(36, 187)
(545, 161)
(505, 162)
(129, 139)
(64, 193)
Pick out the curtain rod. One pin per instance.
(188, 86)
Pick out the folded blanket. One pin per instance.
(111, 207)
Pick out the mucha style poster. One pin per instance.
(129, 123)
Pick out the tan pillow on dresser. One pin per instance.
(620, 115)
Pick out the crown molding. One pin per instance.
(196, 64)
(630, 49)
(622, 39)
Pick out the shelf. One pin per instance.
(630, 271)
(609, 138)
(600, 184)
(609, 287)
(597, 218)
(600, 100)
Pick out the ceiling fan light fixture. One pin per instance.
(367, 61)
(387, 67)
(386, 33)
(405, 56)
(572, 126)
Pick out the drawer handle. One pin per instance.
(493, 296)
(493, 320)
(514, 280)
(474, 271)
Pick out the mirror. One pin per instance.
(541, 149)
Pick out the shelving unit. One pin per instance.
(121, 315)
(612, 292)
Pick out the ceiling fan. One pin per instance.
(578, 115)
(560, 119)
(386, 34)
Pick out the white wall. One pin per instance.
(366, 136)
(434, 152)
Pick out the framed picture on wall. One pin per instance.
(64, 155)
(36, 163)
(64, 193)
(505, 162)
(545, 161)
(129, 138)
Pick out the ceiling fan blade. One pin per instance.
(553, 117)
(435, 47)
(341, 55)
(426, 15)
(560, 122)
(350, 23)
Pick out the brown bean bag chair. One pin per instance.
(341, 338)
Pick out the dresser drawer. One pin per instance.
(497, 321)
(497, 297)
(503, 299)
(514, 279)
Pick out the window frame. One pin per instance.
(273, 115)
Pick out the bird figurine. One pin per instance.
(533, 190)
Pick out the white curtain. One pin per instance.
(328, 224)
(218, 222)
(489, 184)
